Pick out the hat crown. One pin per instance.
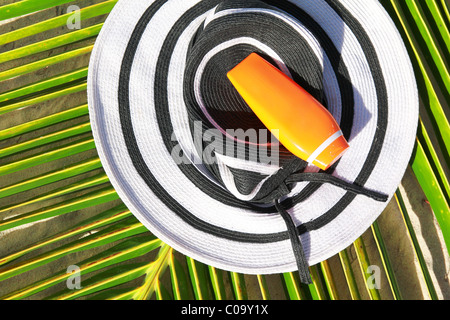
(233, 143)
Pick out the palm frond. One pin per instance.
(58, 208)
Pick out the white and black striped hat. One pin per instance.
(158, 95)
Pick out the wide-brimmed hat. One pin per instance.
(161, 109)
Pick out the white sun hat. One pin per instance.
(157, 88)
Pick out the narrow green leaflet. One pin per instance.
(36, 124)
(55, 42)
(121, 230)
(50, 177)
(217, 282)
(386, 261)
(84, 13)
(181, 287)
(430, 185)
(349, 275)
(199, 275)
(23, 7)
(415, 243)
(93, 198)
(43, 140)
(124, 251)
(239, 287)
(364, 264)
(44, 63)
(105, 218)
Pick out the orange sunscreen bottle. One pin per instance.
(301, 123)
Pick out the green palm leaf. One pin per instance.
(58, 208)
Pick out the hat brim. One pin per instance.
(136, 103)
